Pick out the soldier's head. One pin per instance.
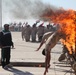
(34, 25)
(6, 26)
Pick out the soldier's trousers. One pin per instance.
(5, 56)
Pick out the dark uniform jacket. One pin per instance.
(5, 39)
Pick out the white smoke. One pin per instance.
(22, 9)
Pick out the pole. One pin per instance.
(0, 15)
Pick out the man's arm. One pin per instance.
(12, 44)
(45, 37)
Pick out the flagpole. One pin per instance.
(0, 15)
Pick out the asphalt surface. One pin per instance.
(27, 61)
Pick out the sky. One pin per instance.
(66, 4)
(16, 8)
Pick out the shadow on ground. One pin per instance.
(18, 72)
(70, 71)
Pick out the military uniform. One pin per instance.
(40, 32)
(33, 33)
(27, 33)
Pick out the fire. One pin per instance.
(67, 21)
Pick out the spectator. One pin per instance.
(5, 45)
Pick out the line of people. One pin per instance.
(35, 32)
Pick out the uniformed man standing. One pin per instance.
(40, 32)
(5, 45)
(27, 33)
(34, 31)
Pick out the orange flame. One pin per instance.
(67, 22)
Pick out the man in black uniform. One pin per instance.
(5, 45)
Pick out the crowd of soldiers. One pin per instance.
(15, 26)
(34, 32)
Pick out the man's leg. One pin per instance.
(3, 57)
(8, 56)
(47, 61)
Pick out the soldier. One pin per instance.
(48, 29)
(27, 33)
(22, 32)
(40, 32)
(34, 32)
(23, 28)
(19, 26)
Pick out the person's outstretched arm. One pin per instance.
(45, 37)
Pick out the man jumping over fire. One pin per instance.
(50, 43)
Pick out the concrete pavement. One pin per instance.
(30, 60)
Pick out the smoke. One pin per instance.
(23, 9)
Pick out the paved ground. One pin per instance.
(25, 52)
